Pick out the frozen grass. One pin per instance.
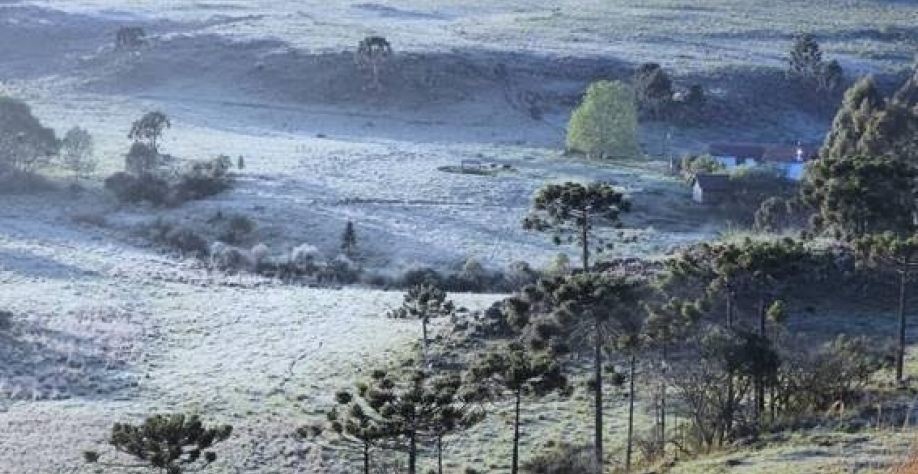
(108, 330)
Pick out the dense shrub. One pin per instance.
(176, 237)
(236, 229)
(134, 189)
(813, 380)
(692, 165)
(563, 460)
(204, 178)
(6, 320)
(197, 180)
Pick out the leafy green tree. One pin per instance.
(805, 58)
(857, 195)
(897, 254)
(77, 152)
(170, 444)
(25, 143)
(149, 128)
(424, 302)
(522, 372)
(349, 240)
(571, 211)
(605, 124)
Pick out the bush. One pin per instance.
(133, 189)
(692, 165)
(237, 229)
(419, 277)
(230, 259)
(179, 238)
(6, 320)
(141, 159)
(838, 371)
(605, 124)
(563, 460)
(203, 178)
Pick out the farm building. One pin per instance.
(790, 160)
(710, 188)
(732, 155)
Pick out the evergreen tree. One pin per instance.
(571, 211)
(602, 310)
(349, 240)
(170, 444)
(805, 59)
(899, 255)
(424, 302)
(356, 425)
(522, 372)
(240, 163)
(653, 88)
(858, 195)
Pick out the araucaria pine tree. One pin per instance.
(899, 255)
(356, 424)
(349, 240)
(571, 212)
(424, 302)
(522, 372)
(402, 411)
(169, 444)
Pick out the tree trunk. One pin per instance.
(900, 352)
(663, 400)
(440, 454)
(366, 458)
(759, 379)
(514, 468)
(424, 329)
(584, 236)
(412, 453)
(630, 413)
(730, 309)
(597, 396)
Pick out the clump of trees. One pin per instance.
(605, 124)
(146, 177)
(805, 63)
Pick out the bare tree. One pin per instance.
(77, 152)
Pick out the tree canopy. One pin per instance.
(605, 124)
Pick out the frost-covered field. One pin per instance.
(105, 332)
(108, 329)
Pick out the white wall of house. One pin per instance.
(794, 170)
(727, 161)
(697, 193)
